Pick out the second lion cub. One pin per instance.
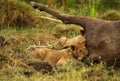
(52, 56)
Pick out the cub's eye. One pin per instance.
(80, 51)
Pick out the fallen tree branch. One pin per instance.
(51, 19)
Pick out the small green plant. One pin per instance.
(92, 7)
(111, 15)
(69, 2)
(111, 4)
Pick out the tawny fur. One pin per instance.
(78, 43)
(52, 56)
(80, 50)
(71, 41)
(58, 57)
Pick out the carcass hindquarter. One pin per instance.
(102, 36)
(103, 40)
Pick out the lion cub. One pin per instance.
(58, 57)
(64, 41)
(78, 45)
(52, 56)
(72, 48)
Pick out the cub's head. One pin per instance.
(79, 50)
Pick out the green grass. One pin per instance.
(31, 36)
(93, 73)
(16, 13)
(20, 39)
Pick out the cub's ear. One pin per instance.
(82, 32)
(63, 40)
(72, 47)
